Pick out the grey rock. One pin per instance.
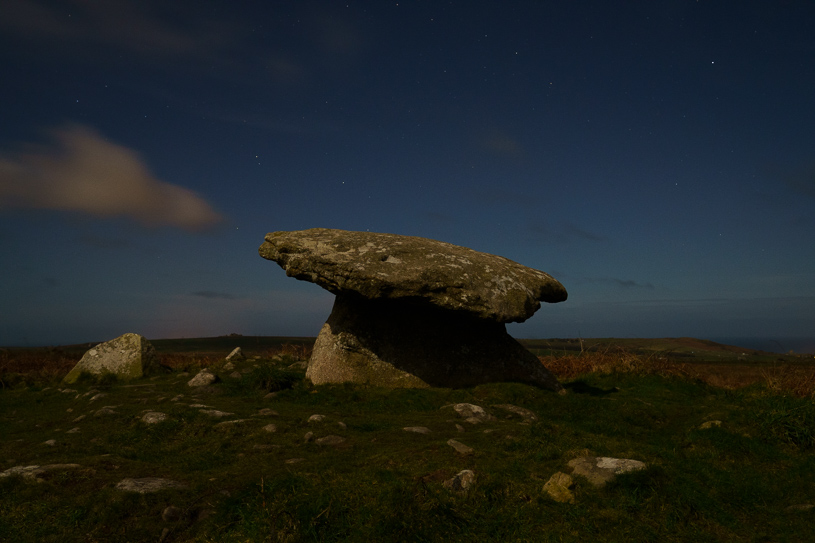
(710, 424)
(236, 354)
(330, 440)
(34, 473)
(148, 484)
(417, 429)
(316, 418)
(460, 447)
(600, 470)
(153, 417)
(215, 413)
(472, 413)
(414, 312)
(377, 266)
(203, 378)
(128, 357)
(271, 428)
(461, 483)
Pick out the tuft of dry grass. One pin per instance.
(783, 378)
(612, 360)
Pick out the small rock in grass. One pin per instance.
(271, 428)
(461, 482)
(559, 487)
(600, 470)
(154, 417)
(316, 418)
(147, 485)
(329, 440)
(710, 424)
(215, 413)
(308, 437)
(417, 429)
(460, 447)
(203, 378)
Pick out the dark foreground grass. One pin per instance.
(741, 481)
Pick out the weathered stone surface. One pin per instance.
(202, 379)
(461, 483)
(460, 447)
(154, 417)
(377, 266)
(148, 484)
(600, 470)
(559, 487)
(399, 344)
(417, 429)
(236, 354)
(471, 411)
(414, 312)
(128, 357)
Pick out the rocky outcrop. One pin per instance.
(128, 357)
(414, 312)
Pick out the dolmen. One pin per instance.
(414, 312)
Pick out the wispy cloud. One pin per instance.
(84, 173)
(136, 26)
(213, 295)
(621, 283)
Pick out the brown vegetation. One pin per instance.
(779, 377)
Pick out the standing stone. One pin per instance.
(128, 357)
(414, 312)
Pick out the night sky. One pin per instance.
(658, 158)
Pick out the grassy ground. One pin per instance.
(745, 480)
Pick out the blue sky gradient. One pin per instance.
(655, 157)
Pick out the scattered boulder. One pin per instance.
(600, 470)
(236, 354)
(461, 483)
(460, 447)
(472, 413)
(414, 312)
(559, 487)
(128, 357)
(203, 378)
(153, 417)
(148, 484)
(710, 424)
(215, 413)
(35, 473)
(316, 418)
(417, 429)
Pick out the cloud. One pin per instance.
(213, 295)
(131, 25)
(622, 283)
(81, 172)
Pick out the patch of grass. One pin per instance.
(732, 482)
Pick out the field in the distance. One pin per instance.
(249, 471)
